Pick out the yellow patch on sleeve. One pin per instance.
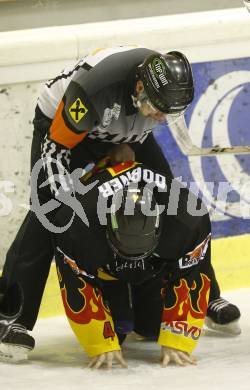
(77, 110)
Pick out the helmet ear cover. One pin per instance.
(133, 236)
(168, 81)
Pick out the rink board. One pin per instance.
(219, 115)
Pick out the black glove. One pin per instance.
(11, 305)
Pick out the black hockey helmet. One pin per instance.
(168, 81)
(134, 223)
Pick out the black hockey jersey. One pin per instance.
(181, 256)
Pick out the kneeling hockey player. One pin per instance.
(141, 265)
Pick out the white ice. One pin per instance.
(58, 362)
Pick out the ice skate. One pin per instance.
(16, 344)
(223, 316)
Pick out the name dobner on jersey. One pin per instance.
(136, 175)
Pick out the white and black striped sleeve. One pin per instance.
(56, 160)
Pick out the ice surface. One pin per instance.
(58, 362)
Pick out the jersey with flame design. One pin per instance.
(182, 259)
(88, 316)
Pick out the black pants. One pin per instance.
(29, 257)
(135, 308)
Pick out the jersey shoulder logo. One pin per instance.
(77, 110)
(196, 255)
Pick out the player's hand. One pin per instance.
(175, 355)
(108, 358)
(121, 153)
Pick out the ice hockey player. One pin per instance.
(141, 263)
(107, 104)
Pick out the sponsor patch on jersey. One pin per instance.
(77, 110)
(195, 256)
(110, 114)
(182, 328)
(73, 265)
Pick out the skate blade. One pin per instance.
(13, 353)
(232, 329)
